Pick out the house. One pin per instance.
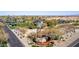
(19, 20)
(41, 40)
(61, 21)
(39, 23)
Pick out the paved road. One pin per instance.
(13, 40)
(77, 45)
(74, 43)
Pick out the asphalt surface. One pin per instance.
(13, 40)
(75, 43)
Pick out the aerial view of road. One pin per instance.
(13, 40)
(75, 43)
(39, 31)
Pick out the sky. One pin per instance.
(42, 13)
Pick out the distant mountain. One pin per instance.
(40, 13)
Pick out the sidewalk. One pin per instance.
(23, 40)
(74, 37)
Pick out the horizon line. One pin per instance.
(39, 13)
